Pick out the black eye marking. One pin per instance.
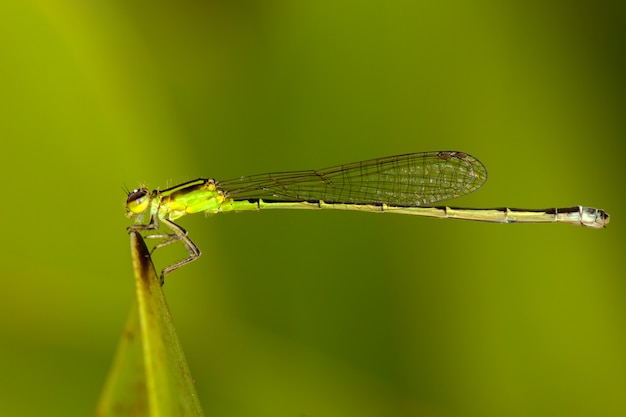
(136, 195)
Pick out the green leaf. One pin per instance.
(124, 393)
(150, 375)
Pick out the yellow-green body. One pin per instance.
(403, 184)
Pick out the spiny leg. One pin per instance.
(154, 225)
(179, 233)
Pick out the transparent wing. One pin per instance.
(414, 179)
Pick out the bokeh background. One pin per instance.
(317, 313)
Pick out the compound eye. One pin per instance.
(138, 200)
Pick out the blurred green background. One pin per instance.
(317, 313)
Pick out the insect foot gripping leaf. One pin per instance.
(150, 375)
